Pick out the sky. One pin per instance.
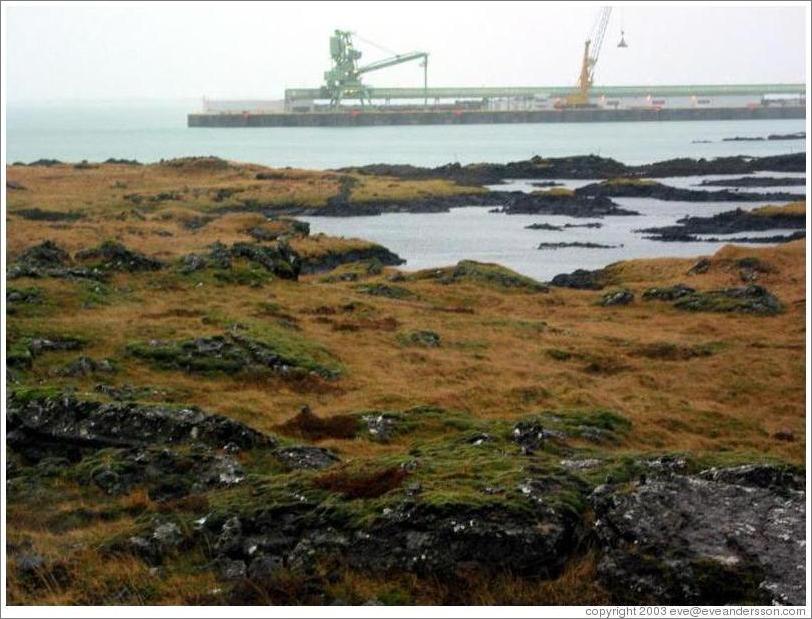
(256, 50)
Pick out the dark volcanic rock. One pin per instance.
(167, 474)
(65, 419)
(440, 540)
(670, 293)
(650, 189)
(617, 297)
(728, 222)
(544, 203)
(113, 256)
(331, 260)
(549, 227)
(305, 457)
(750, 299)
(589, 167)
(576, 244)
(427, 339)
(529, 435)
(228, 353)
(580, 279)
(277, 258)
(691, 540)
(756, 181)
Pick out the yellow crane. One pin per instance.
(592, 49)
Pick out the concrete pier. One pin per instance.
(476, 117)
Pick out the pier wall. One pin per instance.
(475, 117)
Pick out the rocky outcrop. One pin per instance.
(581, 279)
(70, 421)
(721, 537)
(756, 181)
(636, 188)
(577, 245)
(750, 299)
(229, 353)
(589, 167)
(617, 297)
(277, 258)
(729, 222)
(113, 256)
(333, 259)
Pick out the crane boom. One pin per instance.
(592, 49)
(394, 60)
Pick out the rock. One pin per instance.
(483, 273)
(543, 226)
(577, 245)
(579, 465)
(192, 262)
(330, 260)
(757, 476)
(85, 366)
(232, 569)
(670, 293)
(28, 563)
(756, 181)
(381, 427)
(750, 299)
(645, 188)
(696, 228)
(384, 290)
(434, 541)
(700, 267)
(45, 255)
(427, 339)
(113, 256)
(529, 435)
(617, 297)
(230, 542)
(229, 353)
(66, 419)
(581, 279)
(690, 540)
(265, 567)
(305, 457)
(167, 535)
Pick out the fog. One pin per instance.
(235, 50)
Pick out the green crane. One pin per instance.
(343, 80)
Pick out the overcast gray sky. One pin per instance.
(258, 49)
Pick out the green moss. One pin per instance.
(487, 274)
(262, 348)
(386, 290)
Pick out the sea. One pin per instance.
(150, 131)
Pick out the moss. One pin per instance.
(492, 275)
(386, 290)
(264, 348)
(747, 300)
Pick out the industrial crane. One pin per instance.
(343, 80)
(592, 49)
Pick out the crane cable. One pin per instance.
(373, 44)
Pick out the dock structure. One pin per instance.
(312, 107)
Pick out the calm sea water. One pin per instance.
(438, 239)
(151, 131)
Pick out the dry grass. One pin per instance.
(793, 208)
(494, 363)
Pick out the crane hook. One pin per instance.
(622, 40)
